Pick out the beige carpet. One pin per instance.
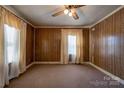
(63, 76)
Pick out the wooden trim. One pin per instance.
(122, 6)
(85, 62)
(107, 73)
(45, 62)
(61, 26)
(19, 16)
(89, 63)
(116, 10)
(27, 67)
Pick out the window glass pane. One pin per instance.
(10, 34)
(72, 44)
(11, 42)
(10, 53)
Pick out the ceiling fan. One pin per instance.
(70, 10)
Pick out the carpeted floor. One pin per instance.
(62, 76)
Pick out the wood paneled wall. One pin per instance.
(85, 44)
(48, 44)
(107, 44)
(29, 44)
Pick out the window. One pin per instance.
(71, 44)
(11, 43)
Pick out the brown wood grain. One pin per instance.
(122, 43)
(48, 44)
(29, 44)
(108, 43)
(85, 44)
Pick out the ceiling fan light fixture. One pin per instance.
(70, 14)
(66, 11)
(73, 10)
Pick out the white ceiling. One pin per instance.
(40, 15)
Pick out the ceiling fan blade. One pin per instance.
(75, 16)
(66, 6)
(58, 13)
(78, 6)
(73, 6)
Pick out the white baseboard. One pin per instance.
(55, 62)
(85, 62)
(90, 63)
(32, 63)
(108, 73)
(39, 62)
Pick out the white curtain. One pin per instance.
(72, 48)
(11, 69)
(22, 60)
(75, 55)
(11, 52)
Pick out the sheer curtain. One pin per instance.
(72, 51)
(22, 61)
(72, 48)
(11, 52)
(18, 64)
